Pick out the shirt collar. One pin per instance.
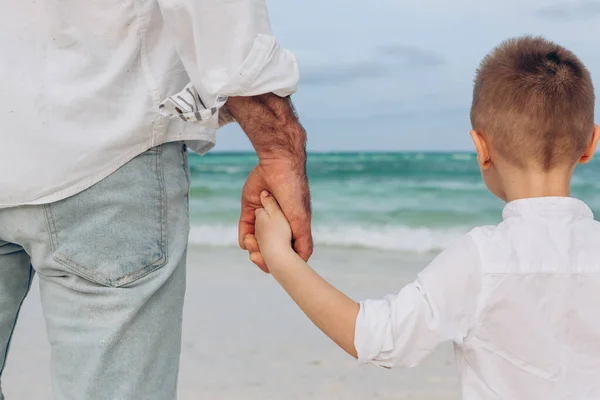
(542, 205)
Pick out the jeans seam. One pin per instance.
(163, 206)
(15, 322)
(50, 226)
(186, 169)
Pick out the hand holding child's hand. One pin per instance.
(272, 230)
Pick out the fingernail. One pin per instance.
(264, 193)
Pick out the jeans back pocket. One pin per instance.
(114, 232)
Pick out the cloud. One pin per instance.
(413, 56)
(570, 11)
(343, 73)
(385, 60)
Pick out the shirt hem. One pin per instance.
(199, 142)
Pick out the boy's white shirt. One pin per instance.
(520, 301)
(88, 85)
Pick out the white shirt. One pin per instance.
(520, 301)
(85, 86)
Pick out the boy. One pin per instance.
(519, 300)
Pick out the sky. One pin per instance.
(397, 75)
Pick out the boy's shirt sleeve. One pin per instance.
(404, 329)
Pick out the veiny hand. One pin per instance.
(273, 232)
(271, 124)
(286, 182)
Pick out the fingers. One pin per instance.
(258, 260)
(245, 228)
(250, 201)
(246, 225)
(251, 245)
(304, 246)
(261, 213)
(269, 203)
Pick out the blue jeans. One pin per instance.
(111, 264)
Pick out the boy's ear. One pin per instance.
(591, 149)
(483, 149)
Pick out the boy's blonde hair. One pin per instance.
(534, 99)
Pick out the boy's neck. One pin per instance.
(529, 184)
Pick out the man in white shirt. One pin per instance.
(100, 102)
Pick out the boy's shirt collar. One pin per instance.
(540, 206)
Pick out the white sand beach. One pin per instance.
(245, 339)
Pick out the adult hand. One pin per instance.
(288, 184)
(271, 124)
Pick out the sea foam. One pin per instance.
(389, 238)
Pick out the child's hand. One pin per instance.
(272, 230)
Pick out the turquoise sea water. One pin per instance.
(413, 202)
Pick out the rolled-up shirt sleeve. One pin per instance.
(227, 49)
(404, 329)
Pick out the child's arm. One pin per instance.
(328, 308)
(403, 329)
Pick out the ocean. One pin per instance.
(405, 202)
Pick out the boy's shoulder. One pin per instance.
(475, 237)
(483, 234)
(477, 245)
(532, 246)
(466, 248)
